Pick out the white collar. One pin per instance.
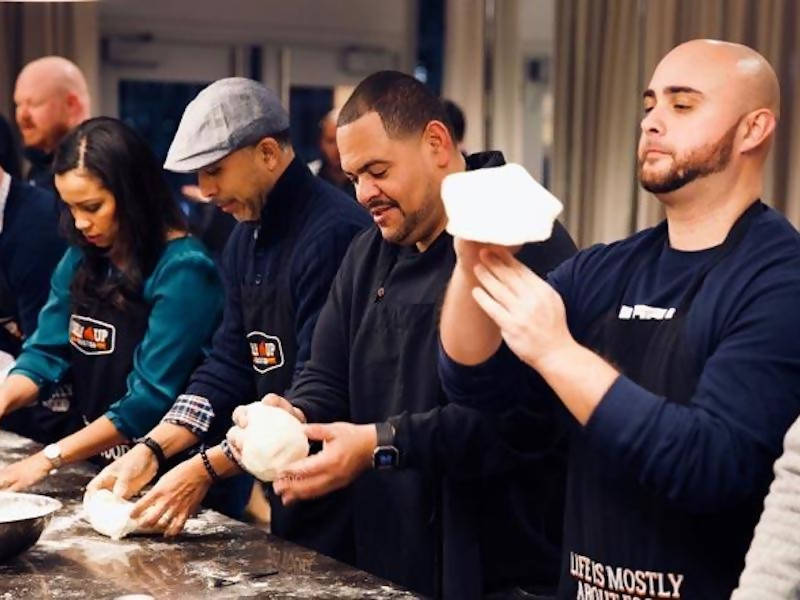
(5, 186)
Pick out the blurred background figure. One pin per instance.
(26, 264)
(212, 226)
(9, 151)
(456, 117)
(329, 166)
(51, 98)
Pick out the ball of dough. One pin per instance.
(111, 515)
(272, 440)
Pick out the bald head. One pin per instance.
(749, 79)
(710, 114)
(52, 97)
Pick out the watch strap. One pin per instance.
(56, 459)
(157, 450)
(385, 432)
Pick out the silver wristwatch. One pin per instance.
(52, 452)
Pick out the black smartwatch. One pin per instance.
(386, 455)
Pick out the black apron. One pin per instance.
(621, 537)
(10, 331)
(398, 516)
(102, 342)
(269, 323)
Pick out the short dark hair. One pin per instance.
(456, 118)
(404, 104)
(283, 137)
(145, 209)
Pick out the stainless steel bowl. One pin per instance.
(23, 517)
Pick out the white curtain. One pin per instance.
(29, 30)
(606, 51)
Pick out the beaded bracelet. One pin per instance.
(215, 478)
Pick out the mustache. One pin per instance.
(642, 155)
(379, 203)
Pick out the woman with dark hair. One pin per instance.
(132, 306)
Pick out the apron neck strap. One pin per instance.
(735, 235)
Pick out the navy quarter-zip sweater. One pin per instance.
(253, 251)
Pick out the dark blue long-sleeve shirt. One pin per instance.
(700, 459)
(30, 248)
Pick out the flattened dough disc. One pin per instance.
(499, 205)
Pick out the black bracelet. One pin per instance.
(157, 450)
(215, 478)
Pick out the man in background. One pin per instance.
(456, 118)
(52, 97)
(9, 151)
(329, 167)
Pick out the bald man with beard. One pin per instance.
(675, 352)
(51, 97)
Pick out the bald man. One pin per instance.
(52, 97)
(675, 352)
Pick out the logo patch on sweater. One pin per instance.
(265, 350)
(91, 336)
(642, 312)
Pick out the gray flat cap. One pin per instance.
(227, 115)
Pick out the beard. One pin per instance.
(700, 162)
(412, 228)
(416, 225)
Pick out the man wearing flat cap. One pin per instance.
(277, 267)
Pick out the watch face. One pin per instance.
(52, 451)
(385, 457)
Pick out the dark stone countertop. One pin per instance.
(215, 557)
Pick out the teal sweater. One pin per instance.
(185, 297)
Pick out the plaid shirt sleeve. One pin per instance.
(193, 412)
(226, 449)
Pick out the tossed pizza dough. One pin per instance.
(272, 440)
(111, 515)
(499, 205)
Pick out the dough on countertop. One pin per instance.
(111, 515)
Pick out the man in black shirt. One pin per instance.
(448, 509)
